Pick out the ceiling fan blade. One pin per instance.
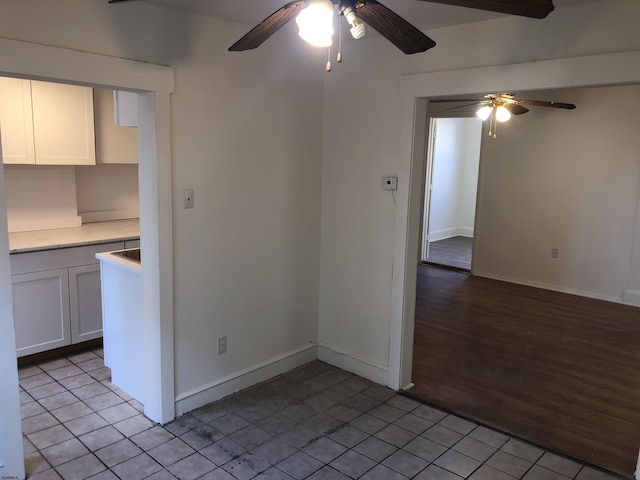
(270, 25)
(393, 27)
(451, 100)
(457, 107)
(516, 109)
(525, 8)
(540, 103)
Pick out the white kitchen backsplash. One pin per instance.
(107, 192)
(40, 197)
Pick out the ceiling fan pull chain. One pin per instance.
(328, 67)
(495, 123)
(339, 56)
(491, 122)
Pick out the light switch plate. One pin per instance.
(188, 197)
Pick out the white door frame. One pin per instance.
(415, 90)
(428, 187)
(155, 84)
(425, 237)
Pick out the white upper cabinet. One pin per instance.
(60, 123)
(114, 144)
(63, 124)
(16, 121)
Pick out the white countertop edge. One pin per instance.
(80, 243)
(88, 234)
(119, 261)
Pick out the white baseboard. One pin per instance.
(555, 288)
(351, 362)
(632, 297)
(450, 232)
(210, 392)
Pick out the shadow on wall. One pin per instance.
(170, 42)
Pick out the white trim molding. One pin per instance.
(631, 297)
(81, 68)
(353, 363)
(554, 288)
(212, 391)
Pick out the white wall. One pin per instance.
(472, 139)
(246, 136)
(362, 143)
(456, 158)
(567, 180)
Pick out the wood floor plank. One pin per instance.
(554, 368)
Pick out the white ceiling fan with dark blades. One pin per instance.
(315, 20)
(498, 107)
(394, 28)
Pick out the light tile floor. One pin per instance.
(316, 422)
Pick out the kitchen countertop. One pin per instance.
(119, 261)
(87, 234)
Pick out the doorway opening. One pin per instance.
(153, 85)
(451, 185)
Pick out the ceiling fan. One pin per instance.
(390, 25)
(499, 107)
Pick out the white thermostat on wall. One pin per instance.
(390, 183)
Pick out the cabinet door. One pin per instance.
(85, 301)
(63, 124)
(41, 311)
(16, 122)
(114, 144)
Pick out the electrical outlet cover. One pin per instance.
(390, 183)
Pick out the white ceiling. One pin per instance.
(424, 15)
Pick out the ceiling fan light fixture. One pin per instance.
(484, 112)
(315, 23)
(503, 114)
(358, 30)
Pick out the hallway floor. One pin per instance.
(452, 252)
(316, 422)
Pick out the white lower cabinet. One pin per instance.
(57, 297)
(85, 301)
(41, 311)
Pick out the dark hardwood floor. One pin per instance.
(560, 370)
(452, 252)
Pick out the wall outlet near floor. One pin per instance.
(554, 253)
(222, 345)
